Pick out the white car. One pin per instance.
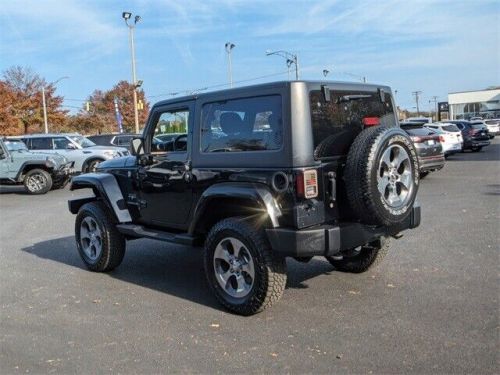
(450, 137)
(85, 154)
(493, 126)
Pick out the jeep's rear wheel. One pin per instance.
(99, 243)
(37, 181)
(381, 176)
(242, 271)
(362, 258)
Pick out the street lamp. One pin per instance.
(44, 103)
(229, 46)
(290, 59)
(325, 72)
(126, 16)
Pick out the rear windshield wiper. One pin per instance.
(348, 98)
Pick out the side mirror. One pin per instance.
(137, 146)
(70, 146)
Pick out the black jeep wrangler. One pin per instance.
(257, 174)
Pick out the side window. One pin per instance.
(171, 132)
(249, 124)
(61, 143)
(41, 143)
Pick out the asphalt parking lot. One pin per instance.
(431, 307)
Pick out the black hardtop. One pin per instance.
(332, 85)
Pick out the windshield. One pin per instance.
(15, 146)
(82, 141)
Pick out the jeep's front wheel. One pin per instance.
(37, 181)
(242, 271)
(99, 243)
(362, 258)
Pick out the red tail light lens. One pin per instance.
(441, 139)
(307, 184)
(371, 121)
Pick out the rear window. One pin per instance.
(451, 128)
(336, 123)
(249, 124)
(477, 125)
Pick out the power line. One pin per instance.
(193, 91)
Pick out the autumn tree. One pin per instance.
(101, 115)
(9, 124)
(26, 88)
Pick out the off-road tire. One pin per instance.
(369, 256)
(113, 242)
(44, 181)
(362, 172)
(91, 165)
(270, 269)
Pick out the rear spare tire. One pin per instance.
(381, 176)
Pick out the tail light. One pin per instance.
(441, 139)
(371, 121)
(416, 139)
(307, 184)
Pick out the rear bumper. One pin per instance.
(328, 240)
(431, 163)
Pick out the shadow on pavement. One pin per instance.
(488, 153)
(171, 269)
(13, 189)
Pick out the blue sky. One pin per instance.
(432, 46)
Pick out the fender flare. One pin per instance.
(37, 163)
(104, 186)
(259, 194)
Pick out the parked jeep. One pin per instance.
(76, 148)
(37, 172)
(287, 169)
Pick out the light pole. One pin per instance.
(44, 103)
(325, 72)
(131, 27)
(229, 47)
(290, 59)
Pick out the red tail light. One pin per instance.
(307, 184)
(371, 121)
(416, 139)
(441, 139)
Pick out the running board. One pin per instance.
(139, 231)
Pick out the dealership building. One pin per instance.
(467, 104)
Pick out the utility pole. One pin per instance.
(416, 94)
(229, 47)
(434, 100)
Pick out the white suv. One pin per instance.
(450, 137)
(75, 147)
